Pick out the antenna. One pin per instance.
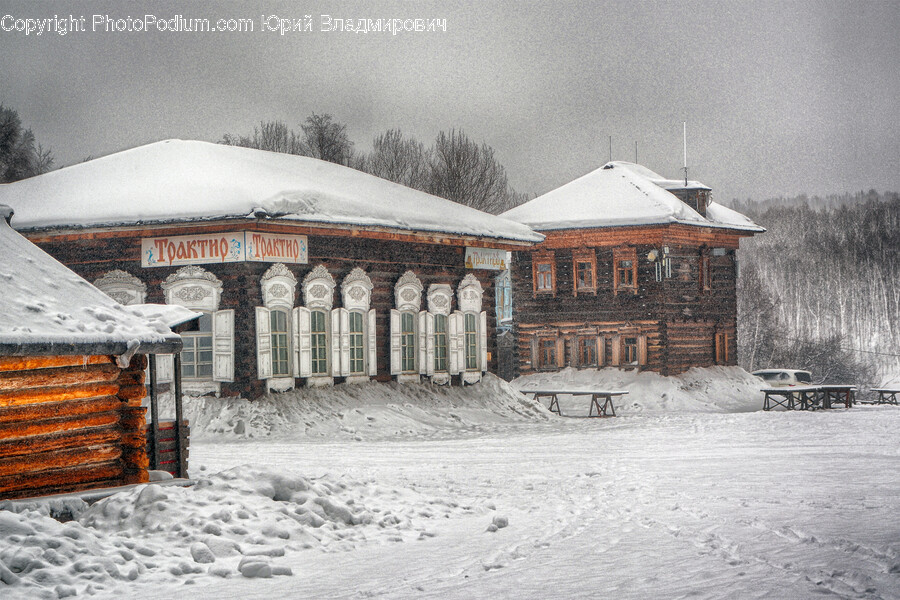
(635, 152)
(685, 155)
(610, 148)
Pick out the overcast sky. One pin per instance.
(780, 97)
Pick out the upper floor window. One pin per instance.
(625, 270)
(544, 272)
(584, 267)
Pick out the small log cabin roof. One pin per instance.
(175, 181)
(622, 194)
(47, 309)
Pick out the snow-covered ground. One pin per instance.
(715, 503)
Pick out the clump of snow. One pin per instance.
(361, 411)
(709, 389)
(240, 522)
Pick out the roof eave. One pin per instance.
(170, 346)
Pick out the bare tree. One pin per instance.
(464, 172)
(273, 136)
(326, 140)
(398, 159)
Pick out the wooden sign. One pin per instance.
(240, 246)
(487, 258)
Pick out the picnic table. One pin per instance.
(808, 397)
(887, 395)
(601, 400)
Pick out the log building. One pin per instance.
(305, 272)
(635, 271)
(71, 377)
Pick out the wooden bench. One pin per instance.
(601, 400)
(887, 395)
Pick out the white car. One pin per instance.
(784, 377)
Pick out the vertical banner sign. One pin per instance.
(487, 258)
(240, 246)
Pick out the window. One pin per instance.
(277, 329)
(197, 352)
(357, 345)
(279, 332)
(409, 327)
(440, 343)
(547, 353)
(357, 328)
(503, 291)
(544, 272)
(584, 275)
(318, 342)
(407, 342)
(471, 342)
(587, 351)
(629, 350)
(625, 271)
(208, 352)
(471, 328)
(584, 268)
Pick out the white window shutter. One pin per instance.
(223, 345)
(304, 347)
(370, 340)
(263, 343)
(345, 341)
(455, 336)
(295, 343)
(423, 342)
(395, 342)
(165, 368)
(482, 341)
(429, 343)
(335, 342)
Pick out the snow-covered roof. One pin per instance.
(178, 180)
(620, 194)
(45, 308)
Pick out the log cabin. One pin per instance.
(306, 273)
(635, 271)
(71, 377)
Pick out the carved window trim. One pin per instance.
(122, 287)
(579, 257)
(318, 289)
(279, 287)
(538, 276)
(620, 257)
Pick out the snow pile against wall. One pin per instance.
(361, 412)
(710, 389)
(182, 534)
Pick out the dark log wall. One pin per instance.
(678, 316)
(70, 423)
(384, 260)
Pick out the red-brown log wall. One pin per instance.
(70, 423)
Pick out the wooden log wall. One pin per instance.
(686, 315)
(70, 423)
(384, 258)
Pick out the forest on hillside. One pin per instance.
(820, 290)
